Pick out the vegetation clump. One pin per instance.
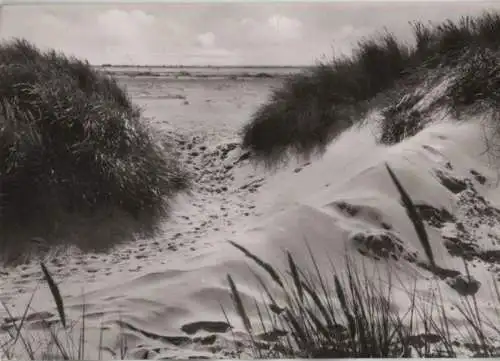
(76, 162)
(314, 107)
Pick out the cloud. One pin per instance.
(265, 33)
(287, 28)
(125, 26)
(206, 51)
(206, 40)
(276, 29)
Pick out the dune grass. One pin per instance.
(54, 339)
(77, 164)
(323, 313)
(477, 88)
(314, 107)
(79, 139)
(332, 314)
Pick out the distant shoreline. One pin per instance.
(205, 66)
(201, 72)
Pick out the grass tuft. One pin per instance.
(77, 163)
(353, 318)
(48, 340)
(312, 108)
(351, 314)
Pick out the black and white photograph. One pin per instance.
(249, 180)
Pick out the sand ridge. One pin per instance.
(165, 294)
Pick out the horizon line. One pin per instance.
(201, 66)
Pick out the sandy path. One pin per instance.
(220, 203)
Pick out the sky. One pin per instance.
(253, 33)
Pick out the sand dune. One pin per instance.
(166, 293)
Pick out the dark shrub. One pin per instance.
(72, 146)
(313, 107)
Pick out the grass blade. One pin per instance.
(266, 266)
(19, 328)
(239, 304)
(414, 217)
(55, 293)
(296, 278)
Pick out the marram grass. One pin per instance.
(348, 313)
(79, 117)
(326, 313)
(311, 109)
(77, 162)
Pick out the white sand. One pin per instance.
(157, 285)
